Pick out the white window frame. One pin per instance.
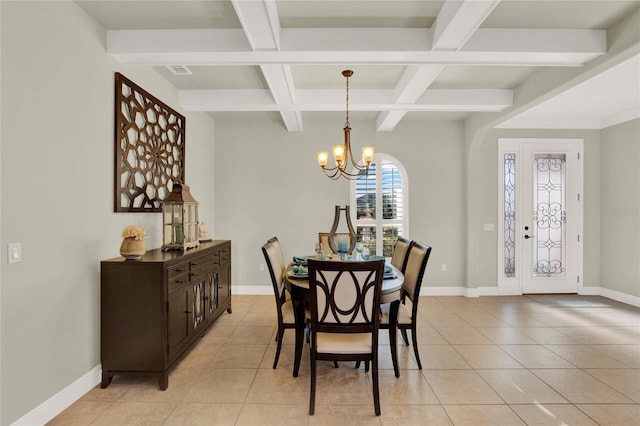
(379, 222)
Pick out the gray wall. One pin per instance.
(620, 208)
(57, 154)
(268, 183)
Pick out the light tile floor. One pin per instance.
(487, 361)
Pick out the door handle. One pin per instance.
(526, 237)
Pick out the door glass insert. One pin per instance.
(549, 215)
(509, 215)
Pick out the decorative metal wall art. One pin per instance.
(149, 148)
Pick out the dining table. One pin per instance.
(298, 286)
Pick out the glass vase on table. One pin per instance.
(359, 249)
(343, 242)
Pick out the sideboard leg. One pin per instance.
(163, 381)
(106, 379)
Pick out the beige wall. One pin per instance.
(268, 183)
(620, 208)
(57, 188)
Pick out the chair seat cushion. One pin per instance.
(404, 314)
(344, 343)
(287, 313)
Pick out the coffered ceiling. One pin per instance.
(417, 60)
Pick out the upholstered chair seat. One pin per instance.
(344, 343)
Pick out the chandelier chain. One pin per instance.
(347, 109)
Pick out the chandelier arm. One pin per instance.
(338, 173)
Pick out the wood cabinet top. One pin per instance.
(172, 256)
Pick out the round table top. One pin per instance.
(389, 285)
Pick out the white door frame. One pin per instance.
(514, 284)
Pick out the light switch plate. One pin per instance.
(14, 252)
(488, 227)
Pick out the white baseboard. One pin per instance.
(61, 400)
(442, 291)
(494, 291)
(620, 297)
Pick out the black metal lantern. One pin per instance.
(179, 219)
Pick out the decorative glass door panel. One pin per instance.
(509, 215)
(212, 293)
(540, 248)
(549, 215)
(198, 307)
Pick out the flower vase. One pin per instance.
(132, 249)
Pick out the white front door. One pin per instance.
(541, 216)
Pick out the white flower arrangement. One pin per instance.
(135, 232)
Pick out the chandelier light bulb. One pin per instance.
(367, 154)
(323, 158)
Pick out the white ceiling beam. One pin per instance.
(260, 27)
(355, 46)
(235, 100)
(332, 100)
(458, 20)
(260, 23)
(456, 23)
(230, 47)
(415, 80)
(280, 82)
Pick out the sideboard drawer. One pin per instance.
(177, 282)
(225, 255)
(209, 259)
(178, 269)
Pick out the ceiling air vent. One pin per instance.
(179, 70)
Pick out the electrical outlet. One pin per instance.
(443, 268)
(262, 267)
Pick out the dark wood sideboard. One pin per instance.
(153, 309)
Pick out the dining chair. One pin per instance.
(416, 264)
(400, 254)
(284, 308)
(344, 299)
(278, 251)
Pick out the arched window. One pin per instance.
(381, 200)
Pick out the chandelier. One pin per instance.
(342, 153)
